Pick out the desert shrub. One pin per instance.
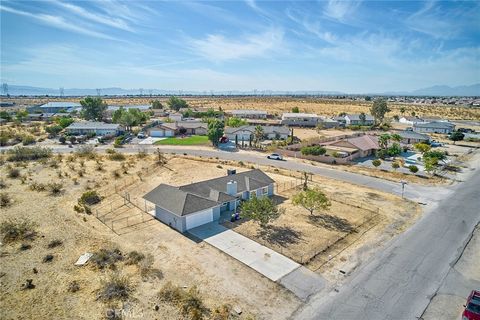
(117, 287)
(17, 229)
(54, 243)
(223, 312)
(55, 188)
(78, 208)
(73, 286)
(115, 156)
(5, 200)
(90, 197)
(413, 168)
(116, 174)
(13, 173)
(47, 258)
(28, 139)
(25, 246)
(106, 258)
(134, 257)
(188, 301)
(3, 184)
(86, 151)
(37, 186)
(28, 153)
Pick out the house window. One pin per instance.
(265, 191)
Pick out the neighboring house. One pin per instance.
(410, 120)
(357, 147)
(411, 137)
(55, 107)
(174, 128)
(434, 127)
(249, 114)
(356, 120)
(300, 119)
(193, 205)
(98, 128)
(175, 116)
(434, 119)
(328, 123)
(243, 133)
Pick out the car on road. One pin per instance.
(435, 144)
(275, 156)
(472, 307)
(141, 135)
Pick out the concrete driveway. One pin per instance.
(260, 258)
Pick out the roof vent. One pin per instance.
(231, 172)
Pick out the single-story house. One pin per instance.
(328, 123)
(434, 127)
(243, 133)
(55, 107)
(410, 120)
(411, 137)
(170, 129)
(300, 119)
(357, 147)
(193, 205)
(356, 119)
(175, 116)
(249, 114)
(99, 128)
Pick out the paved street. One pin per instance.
(398, 282)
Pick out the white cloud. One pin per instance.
(313, 27)
(340, 10)
(57, 22)
(99, 18)
(216, 47)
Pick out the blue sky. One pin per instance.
(350, 46)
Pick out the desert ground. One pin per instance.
(278, 105)
(348, 234)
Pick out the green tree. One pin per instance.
(394, 150)
(402, 110)
(362, 117)
(311, 199)
(20, 115)
(5, 115)
(396, 137)
(235, 122)
(456, 136)
(188, 113)
(368, 98)
(422, 147)
(295, 110)
(62, 140)
(313, 150)
(383, 141)
(376, 163)
(395, 165)
(262, 210)
(413, 168)
(53, 130)
(379, 109)
(176, 104)
(64, 121)
(156, 104)
(215, 131)
(93, 108)
(258, 134)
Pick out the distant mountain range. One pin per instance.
(16, 90)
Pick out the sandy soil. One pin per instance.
(219, 278)
(278, 105)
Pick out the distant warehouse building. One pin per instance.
(97, 128)
(249, 114)
(300, 119)
(55, 107)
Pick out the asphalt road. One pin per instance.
(413, 192)
(398, 282)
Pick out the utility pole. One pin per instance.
(5, 88)
(403, 186)
(62, 92)
(99, 91)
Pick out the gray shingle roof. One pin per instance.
(357, 117)
(413, 135)
(266, 129)
(202, 195)
(441, 125)
(92, 125)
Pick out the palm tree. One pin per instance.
(258, 134)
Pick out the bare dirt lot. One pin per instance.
(278, 105)
(175, 258)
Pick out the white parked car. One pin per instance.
(275, 156)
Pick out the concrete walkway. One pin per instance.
(276, 267)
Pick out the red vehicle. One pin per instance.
(472, 307)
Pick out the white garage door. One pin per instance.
(197, 219)
(156, 133)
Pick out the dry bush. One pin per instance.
(188, 301)
(54, 243)
(37, 186)
(5, 200)
(134, 257)
(115, 156)
(13, 173)
(146, 270)
(106, 258)
(3, 184)
(17, 229)
(223, 312)
(73, 286)
(55, 188)
(90, 197)
(117, 287)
